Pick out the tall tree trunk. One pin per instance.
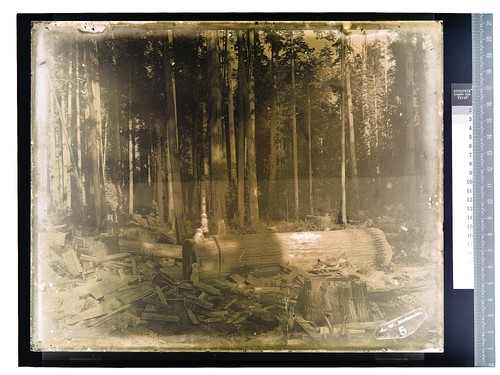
(375, 121)
(342, 133)
(294, 138)
(131, 147)
(78, 123)
(352, 144)
(117, 154)
(271, 206)
(230, 111)
(309, 149)
(97, 184)
(218, 165)
(195, 199)
(160, 190)
(53, 158)
(410, 114)
(253, 197)
(242, 124)
(170, 185)
(205, 162)
(173, 151)
(66, 149)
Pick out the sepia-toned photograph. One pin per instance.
(237, 186)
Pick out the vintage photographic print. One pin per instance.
(237, 186)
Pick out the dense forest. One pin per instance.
(250, 125)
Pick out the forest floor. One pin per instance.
(89, 299)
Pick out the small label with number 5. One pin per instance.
(402, 326)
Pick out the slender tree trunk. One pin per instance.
(294, 138)
(170, 185)
(78, 124)
(195, 204)
(242, 124)
(410, 128)
(352, 144)
(65, 141)
(97, 185)
(253, 197)
(205, 162)
(131, 148)
(342, 134)
(54, 164)
(230, 111)
(272, 141)
(309, 150)
(66, 148)
(160, 190)
(375, 121)
(173, 151)
(117, 154)
(218, 164)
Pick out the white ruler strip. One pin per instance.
(462, 164)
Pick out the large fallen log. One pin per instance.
(150, 248)
(218, 256)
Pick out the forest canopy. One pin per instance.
(248, 123)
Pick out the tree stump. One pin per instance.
(339, 299)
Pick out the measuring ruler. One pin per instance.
(483, 210)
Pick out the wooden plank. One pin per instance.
(134, 266)
(192, 317)
(231, 303)
(216, 314)
(237, 278)
(198, 301)
(266, 289)
(290, 277)
(207, 288)
(306, 326)
(175, 273)
(47, 239)
(100, 321)
(72, 263)
(254, 281)
(161, 296)
(88, 258)
(93, 312)
(152, 301)
(114, 257)
(100, 288)
(121, 273)
(160, 317)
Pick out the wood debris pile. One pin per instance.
(142, 291)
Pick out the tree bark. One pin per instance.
(97, 184)
(352, 145)
(173, 150)
(67, 147)
(131, 148)
(410, 114)
(78, 125)
(342, 132)
(195, 204)
(253, 197)
(230, 111)
(218, 165)
(294, 138)
(160, 190)
(309, 150)
(242, 124)
(272, 142)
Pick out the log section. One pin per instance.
(219, 256)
